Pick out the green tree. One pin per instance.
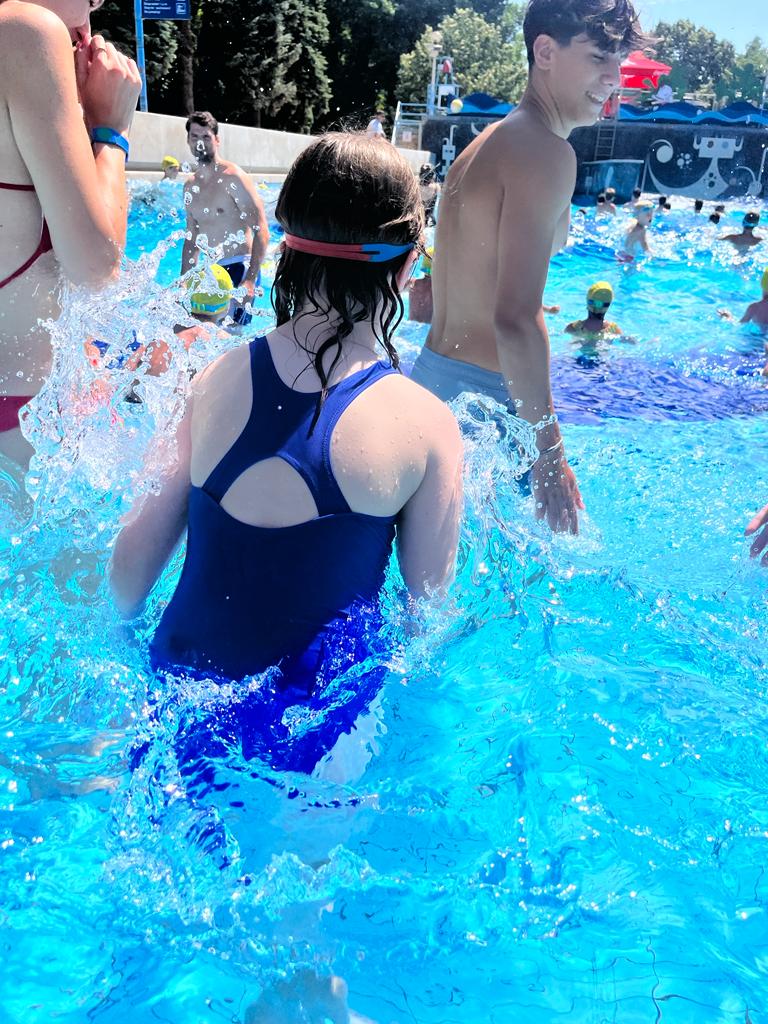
(483, 61)
(747, 79)
(698, 58)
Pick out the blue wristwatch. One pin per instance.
(109, 137)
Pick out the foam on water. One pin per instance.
(555, 806)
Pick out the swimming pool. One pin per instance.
(562, 815)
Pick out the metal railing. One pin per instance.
(409, 124)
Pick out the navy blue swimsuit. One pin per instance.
(299, 596)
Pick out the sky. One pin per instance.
(739, 21)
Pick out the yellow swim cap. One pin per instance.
(764, 282)
(644, 204)
(426, 260)
(170, 161)
(211, 290)
(599, 295)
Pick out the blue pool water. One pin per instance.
(561, 815)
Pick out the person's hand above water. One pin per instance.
(108, 83)
(760, 543)
(556, 493)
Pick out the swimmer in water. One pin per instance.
(595, 328)
(171, 168)
(637, 195)
(209, 302)
(746, 239)
(498, 230)
(66, 105)
(224, 205)
(603, 206)
(636, 241)
(756, 313)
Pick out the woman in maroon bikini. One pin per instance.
(66, 104)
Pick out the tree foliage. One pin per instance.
(309, 64)
(483, 60)
(698, 58)
(747, 79)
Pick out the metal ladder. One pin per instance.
(605, 141)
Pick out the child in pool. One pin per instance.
(745, 239)
(599, 299)
(636, 241)
(755, 313)
(301, 456)
(209, 303)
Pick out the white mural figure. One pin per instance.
(711, 184)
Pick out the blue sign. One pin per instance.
(165, 10)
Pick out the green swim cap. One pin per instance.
(426, 261)
(764, 282)
(211, 290)
(599, 296)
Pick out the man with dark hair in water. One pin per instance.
(222, 204)
(496, 234)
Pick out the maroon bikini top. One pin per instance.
(44, 245)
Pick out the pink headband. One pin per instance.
(365, 252)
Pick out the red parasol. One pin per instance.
(637, 71)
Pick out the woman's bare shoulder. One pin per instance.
(28, 22)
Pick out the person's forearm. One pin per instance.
(258, 252)
(524, 361)
(110, 170)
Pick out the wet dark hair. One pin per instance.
(751, 219)
(612, 25)
(610, 192)
(714, 218)
(345, 187)
(203, 118)
(662, 200)
(667, 205)
(637, 192)
(698, 205)
(720, 208)
(426, 174)
(601, 198)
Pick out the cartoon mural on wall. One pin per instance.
(715, 181)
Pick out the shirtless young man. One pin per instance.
(66, 104)
(221, 200)
(496, 235)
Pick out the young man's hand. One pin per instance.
(556, 493)
(759, 526)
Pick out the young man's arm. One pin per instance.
(248, 201)
(526, 234)
(748, 314)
